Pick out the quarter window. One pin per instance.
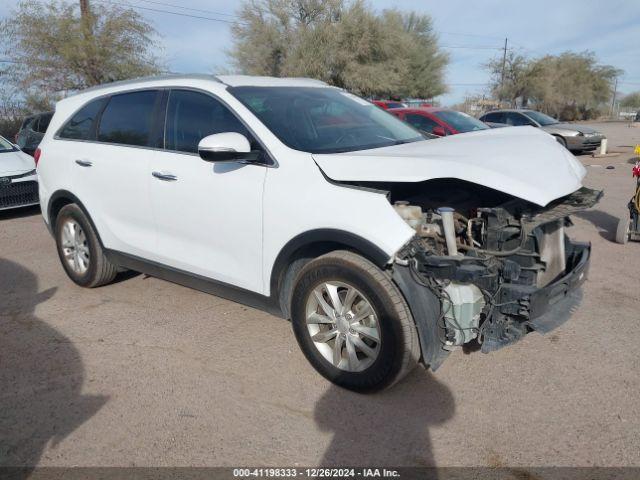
(128, 118)
(80, 127)
(191, 116)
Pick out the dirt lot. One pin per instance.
(145, 372)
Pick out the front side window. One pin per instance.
(80, 127)
(324, 119)
(128, 118)
(191, 116)
(421, 122)
(517, 119)
(461, 121)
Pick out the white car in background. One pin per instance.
(384, 249)
(18, 180)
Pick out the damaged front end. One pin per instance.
(490, 267)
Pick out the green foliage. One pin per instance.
(55, 51)
(632, 100)
(343, 43)
(569, 86)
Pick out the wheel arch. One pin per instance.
(60, 199)
(309, 245)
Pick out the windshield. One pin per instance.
(324, 120)
(6, 145)
(541, 118)
(461, 121)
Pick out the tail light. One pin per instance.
(636, 170)
(36, 155)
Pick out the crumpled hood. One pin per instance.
(524, 162)
(16, 162)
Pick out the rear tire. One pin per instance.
(371, 342)
(79, 249)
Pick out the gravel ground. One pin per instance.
(147, 373)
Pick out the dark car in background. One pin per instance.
(439, 121)
(32, 130)
(575, 137)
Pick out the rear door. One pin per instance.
(110, 171)
(208, 216)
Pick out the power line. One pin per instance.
(468, 35)
(190, 8)
(170, 12)
(472, 47)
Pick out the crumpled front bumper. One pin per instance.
(541, 309)
(553, 304)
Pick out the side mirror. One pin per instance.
(227, 147)
(439, 131)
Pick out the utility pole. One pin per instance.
(84, 9)
(504, 63)
(613, 100)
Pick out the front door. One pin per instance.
(208, 216)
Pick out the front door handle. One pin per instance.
(84, 163)
(167, 177)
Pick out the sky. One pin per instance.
(472, 32)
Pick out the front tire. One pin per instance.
(561, 141)
(352, 323)
(80, 252)
(622, 232)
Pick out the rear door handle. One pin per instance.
(167, 177)
(84, 163)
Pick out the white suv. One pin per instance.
(385, 249)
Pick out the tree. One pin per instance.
(54, 50)
(631, 100)
(343, 43)
(520, 75)
(569, 86)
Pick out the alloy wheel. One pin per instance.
(343, 326)
(75, 247)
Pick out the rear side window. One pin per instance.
(128, 118)
(80, 127)
(191, 116)
(420, 122)
(495, 117)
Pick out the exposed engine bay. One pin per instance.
(494, 261)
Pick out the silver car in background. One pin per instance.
(575, 137)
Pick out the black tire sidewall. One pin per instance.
(388, 364)
(75, 213)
